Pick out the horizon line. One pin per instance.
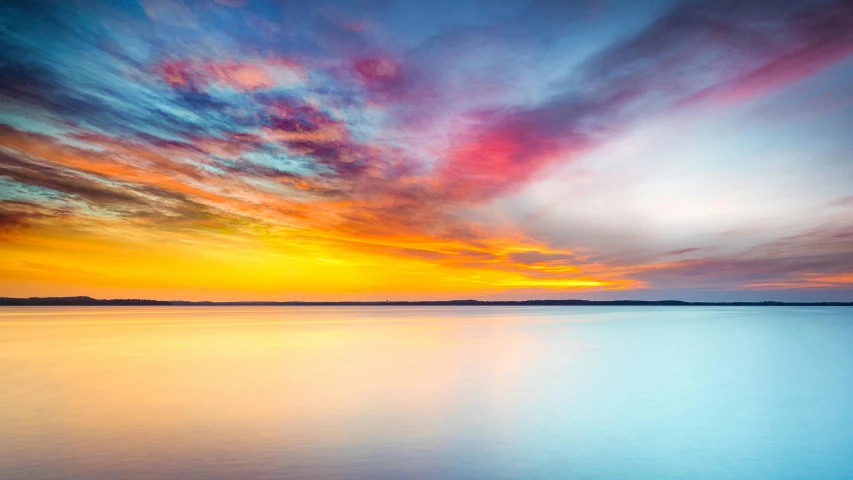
(90, 301)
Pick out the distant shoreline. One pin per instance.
(89, 301)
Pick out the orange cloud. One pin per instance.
(240, 75)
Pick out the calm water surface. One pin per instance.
(207, 393)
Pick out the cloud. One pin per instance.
(170, 12)
(813, 41)
(697, 48)
(346, 126)
(11, 221)
(816, 257)
(241, 75)
(683, 251)
(45, 175)
(532, 257)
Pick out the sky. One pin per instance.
(384, 150)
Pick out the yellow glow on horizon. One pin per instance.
(122, 261)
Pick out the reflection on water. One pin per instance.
(426, 393)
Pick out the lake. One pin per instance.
(440, 393)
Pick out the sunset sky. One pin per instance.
(373, 149)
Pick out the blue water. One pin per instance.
(127, 393)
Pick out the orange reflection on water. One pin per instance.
(126, 385)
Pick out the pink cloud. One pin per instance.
(823, 41)
(240, 75)
(500, 156)
(382, 75)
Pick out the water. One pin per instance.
(128, 393)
